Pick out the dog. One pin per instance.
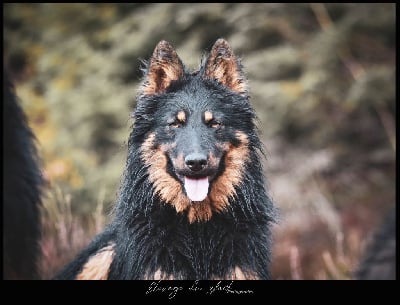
(192, 203)
(23, 186)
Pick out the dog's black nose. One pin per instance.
(196, 161)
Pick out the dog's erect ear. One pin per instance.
(223, 66)
(164, 67)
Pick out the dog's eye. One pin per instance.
(175, 124)
(215, 124)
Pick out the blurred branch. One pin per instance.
(99, 217)
(339, 246)
(389, 125)
(326, 23)
(354, 67)
(295, 263)
(331, 265)
(322, 15)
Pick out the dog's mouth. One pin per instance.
(196, 188)
(195, 184)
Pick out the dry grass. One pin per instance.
(316, 237)
(64, 233)
(315, 254)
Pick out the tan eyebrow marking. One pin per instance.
(208, 116)
(181, 116)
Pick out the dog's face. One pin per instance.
(194, 136)
(197, 132)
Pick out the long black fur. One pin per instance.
(22, 191)
(149, 234)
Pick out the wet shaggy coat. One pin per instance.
(157, 236)
(22, 190)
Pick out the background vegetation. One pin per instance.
(322, 79)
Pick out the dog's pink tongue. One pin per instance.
(196, 189)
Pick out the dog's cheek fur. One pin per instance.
(168, 188)
(224, 186)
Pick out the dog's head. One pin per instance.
(196, 127)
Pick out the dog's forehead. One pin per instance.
(190, 106)
(195, 97)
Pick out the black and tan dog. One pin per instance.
(193, 203)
